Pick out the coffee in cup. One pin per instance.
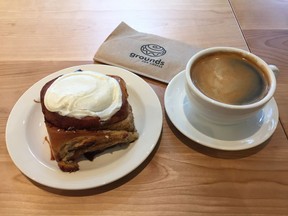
(230, 78)
(228, 85)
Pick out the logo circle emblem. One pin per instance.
(153, 50)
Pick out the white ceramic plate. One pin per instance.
(26, 131)
(242, 136)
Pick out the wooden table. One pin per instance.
(180, 177)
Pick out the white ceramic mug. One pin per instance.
(224, 113)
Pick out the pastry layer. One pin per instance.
(71, 138)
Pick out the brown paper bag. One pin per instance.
(145, 54)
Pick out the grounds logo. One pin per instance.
(152, 50)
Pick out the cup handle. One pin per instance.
(275, 70)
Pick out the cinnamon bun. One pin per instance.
(85, 112)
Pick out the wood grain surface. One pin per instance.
(180, 177)
(266, 33)
(37, 30)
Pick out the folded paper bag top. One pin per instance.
(145, 54)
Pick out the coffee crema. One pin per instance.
(229, 78)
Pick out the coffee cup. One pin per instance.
(228, 85)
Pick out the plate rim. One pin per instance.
(76, 185)
(168, 105)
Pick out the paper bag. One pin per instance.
(145, 54)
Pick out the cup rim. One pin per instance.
(196, 91)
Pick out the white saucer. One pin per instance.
(242, 136)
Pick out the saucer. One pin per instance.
(245, 135)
